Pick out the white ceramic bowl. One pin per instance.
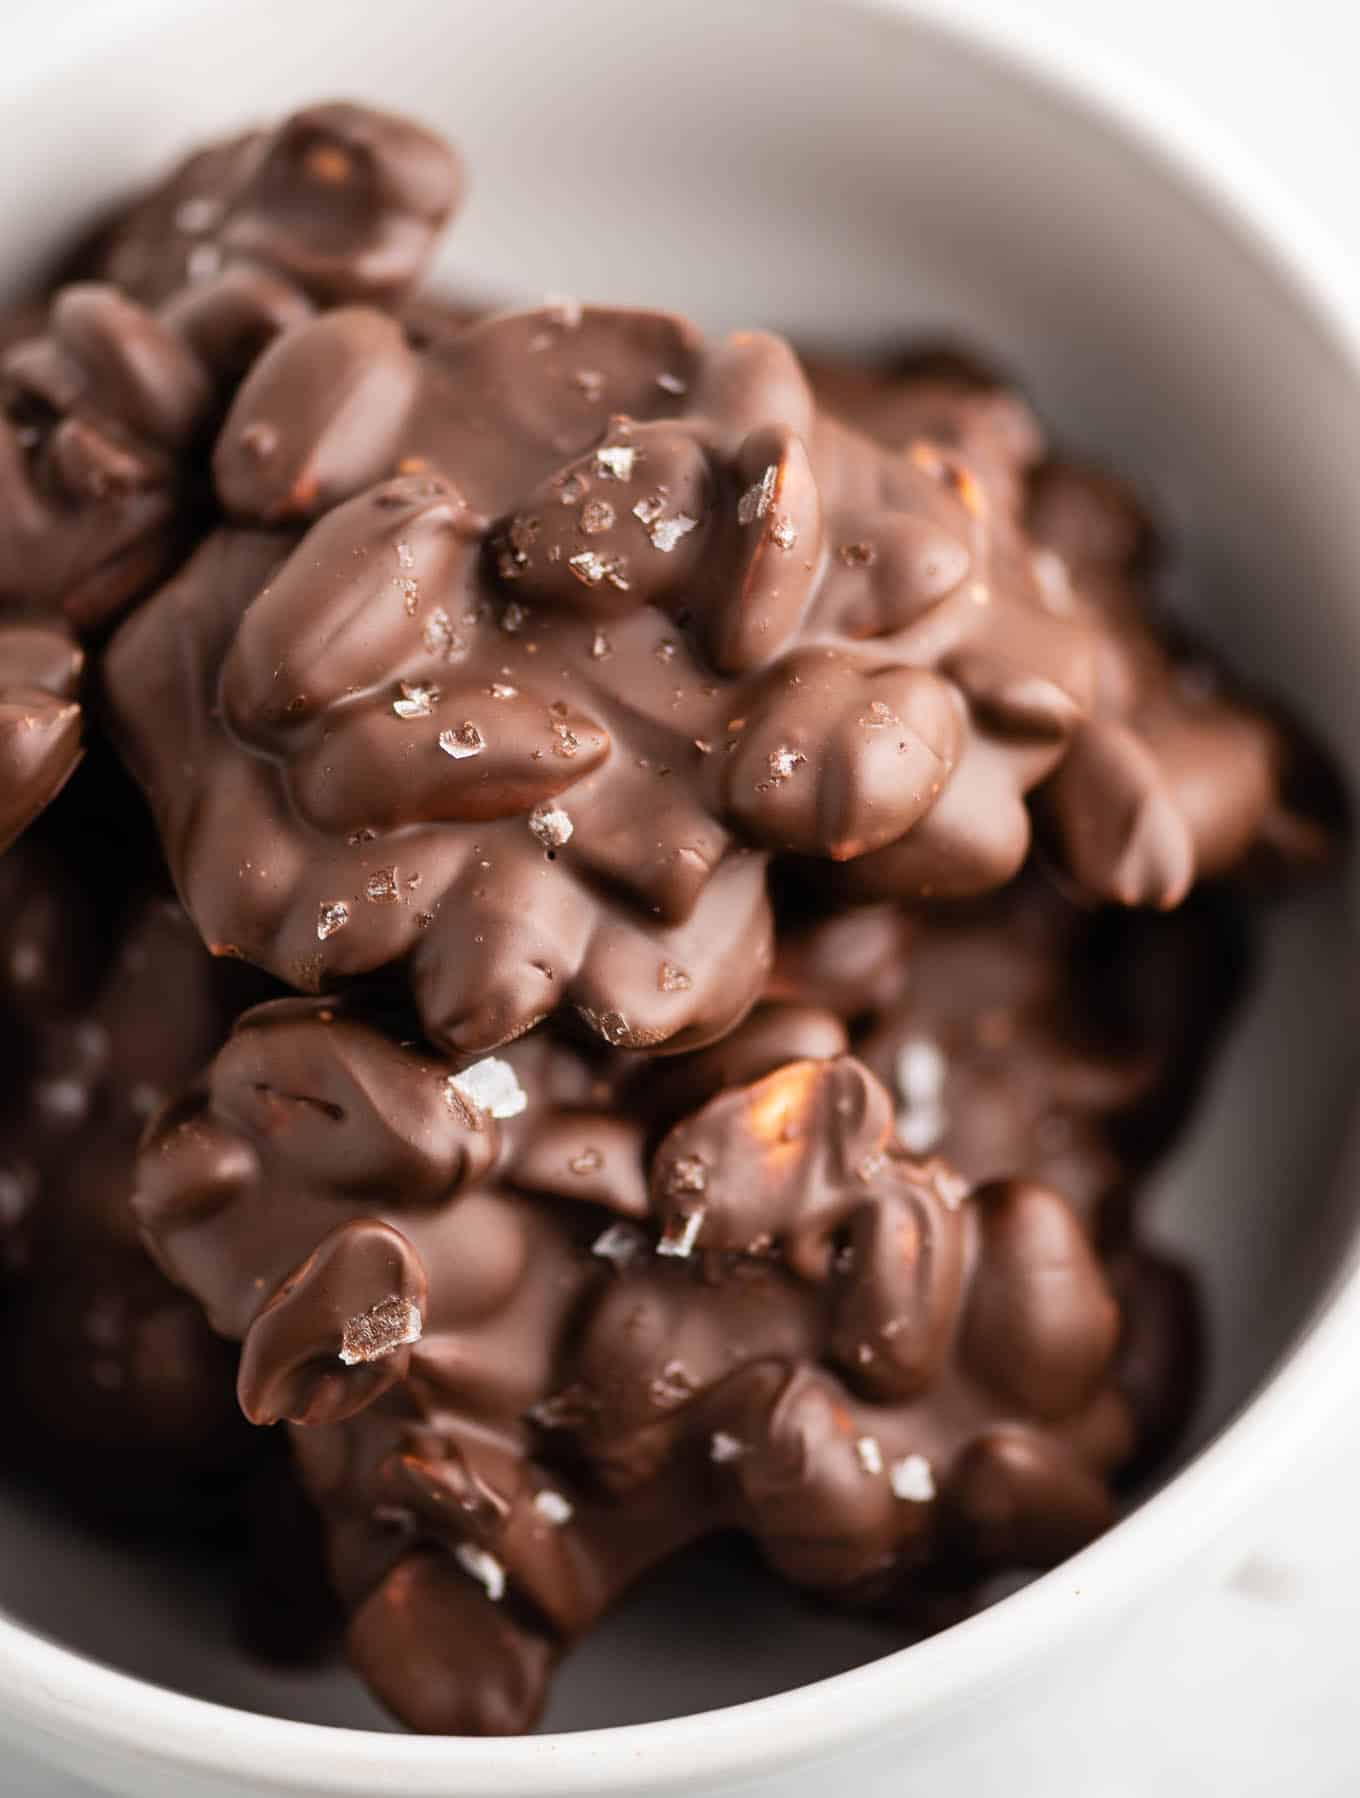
(846, 175)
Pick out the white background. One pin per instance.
(1255, 1692)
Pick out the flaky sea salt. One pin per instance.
(483, 1567)
(758, 498)
(679, 1237)
(553, 1508)
(389, 1325)
(466, 740)
(550, 825)
(381, 887)
(920, 1075)
(439, 636)
(870, 1455)
(620, 1243)
(664, 532)
(332, 915)
(784, 762)
(415, 701)
(490, 1086)
(912, 1479)
(614, 462)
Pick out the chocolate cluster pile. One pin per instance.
(635, 915)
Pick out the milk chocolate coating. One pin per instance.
(646, 620)
(118, 1392)
(40, 721)
(847, 1356)
(103, 421)
(344, 201)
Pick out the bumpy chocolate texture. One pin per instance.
(1173, 775)
(103, 417)
(98, 419)
(116, 1389)
(647, 619)
(346, 202)
(532, 1344)
(1020, 1031)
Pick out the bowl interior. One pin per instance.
(852, 180)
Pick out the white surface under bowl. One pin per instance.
(850, 178)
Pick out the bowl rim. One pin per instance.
(60, 1698)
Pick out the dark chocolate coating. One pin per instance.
(646, 620)
(40, 721)
(846, 1356)
(103, 419)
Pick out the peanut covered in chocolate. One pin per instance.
(345, 201)
(523, 1371)
(632, 618)
(1176, 775)
(40, 721)
(102, 426)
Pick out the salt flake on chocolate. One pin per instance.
(679, 1237)
(920, 1073)
(912, 1480)
(490, 1086)
(415, 701)
(665, 533)
(461, 743)
(869, 1454)
(391, 1324)
(614, 462)
(620, 1244)
(483, 1567)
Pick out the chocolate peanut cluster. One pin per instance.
(706, 884)
(556, 1356)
